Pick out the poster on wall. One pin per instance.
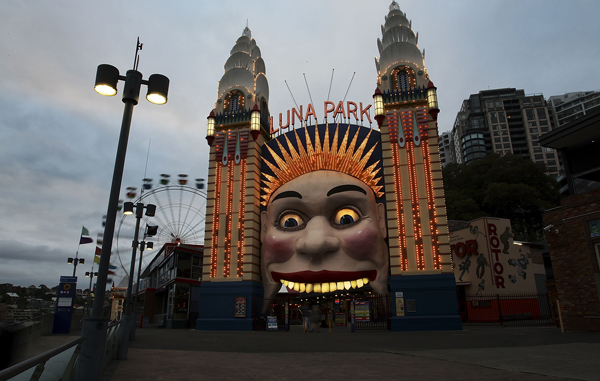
(240, 306)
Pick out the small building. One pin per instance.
(169, 286)
(497, 277)
(573, 229)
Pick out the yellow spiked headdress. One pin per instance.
(294, 160)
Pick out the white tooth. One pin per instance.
(325, 287)
(296, 286)
(360, 283)
(317, 287)
(365, 280)
(340, 285)
(332, 287)
(309, 288)
(347, 285)
(302, 287)
(285, 282)
(290, 285)
(353, 283)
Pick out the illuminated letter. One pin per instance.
(294, 113)
(311, 111)
(271, 124)
(327, 109)
(352, 110)
(365, 111)
(288, 120)
(339, 110)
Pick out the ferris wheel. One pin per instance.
(180, 217)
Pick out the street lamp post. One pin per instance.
(91, 275)
(125, 331)
(94, 329)
(75, 261)
(149, 232)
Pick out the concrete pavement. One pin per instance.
(476, 353)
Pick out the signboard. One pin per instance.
(64, 304)
(272, 323)
(240, 306)
(400, 307)
(340, 319)
(361, 311)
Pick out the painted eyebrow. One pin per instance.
(287, 194)
(346, 188)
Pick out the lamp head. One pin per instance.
(210, 128)
(128, 208)
(158, 88)
(150, 210)
(149, 245)
(255, 122)
(107, 77)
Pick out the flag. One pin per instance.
(110, 272)
(84, 231)
(84, 240)
(96, 259)
(98, 251)
(111, 267)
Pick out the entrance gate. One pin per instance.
(379, 312)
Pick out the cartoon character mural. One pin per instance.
(501, 265)
(323, 224)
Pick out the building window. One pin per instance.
(541, 113)
(539, 156)
(234, 102)
(533, 130)
(403, 78)
(507, 145)
(530, 114)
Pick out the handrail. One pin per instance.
(27, 364)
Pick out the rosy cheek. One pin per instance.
(278, 248)
(361, 245)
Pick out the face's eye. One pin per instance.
(290, 220)
(345, 217)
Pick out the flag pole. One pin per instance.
(77, 252)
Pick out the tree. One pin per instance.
(507, 186)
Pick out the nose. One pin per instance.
(318, 239)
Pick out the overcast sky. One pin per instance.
(58, 137)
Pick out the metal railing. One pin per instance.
(54, 360)
(61, 361)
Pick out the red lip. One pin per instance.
(324, 276)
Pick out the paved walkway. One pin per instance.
(477, 353)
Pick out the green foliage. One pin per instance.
(501, 186)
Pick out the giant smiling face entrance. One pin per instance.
(323, 228)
